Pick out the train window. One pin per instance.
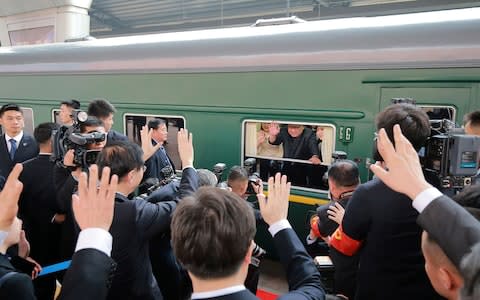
(438, 112)
(56, 116)
(28, 120)
(134, 122)
(302, 151)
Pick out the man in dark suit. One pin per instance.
(298, 143)
(216, 249)
(452, 227)
(66, 183)
(39, 210)
(15, 145)
(136, 221)
(160, 159)
(94, 211)
(164, 265)
(104, 110)
(382, 225)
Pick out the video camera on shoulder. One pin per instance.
(451, 155)
(70, 137)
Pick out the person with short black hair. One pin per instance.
(136, 221)
(216, 249)
(298, 143)
(160, 158)
(459, 238)
(237, 180)
(444, 275)
(383, 225)
(343, 179)
(16, 146)
(104, 110)
(66, 174)
(39, 210)
(66, 111)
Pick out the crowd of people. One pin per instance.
(191, 239)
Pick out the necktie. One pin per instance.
(165, 157)
(13, 148)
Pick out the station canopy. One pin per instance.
(126, 17)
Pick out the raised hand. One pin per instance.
(335, 212)
(9, 198)
(185, 147)
(274, 129)
(93, 206)
(275, 208)
(404, 173)
(146, 139)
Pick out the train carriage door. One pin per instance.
(439, 102)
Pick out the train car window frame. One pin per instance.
(56, 116)
(247, 140)
(453, 108)
(28, 121)
(170, 148)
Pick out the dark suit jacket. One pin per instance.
(89, 276)
(156, 163)
(19, 286)
(302, 275)
(37, 206)
(65, 186)
(2, 182)
(134, 223)
(115, 136)
(454, 228)
(27, 148)
(391, 260)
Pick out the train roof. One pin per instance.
(420, 40)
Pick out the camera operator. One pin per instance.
(238, 181)
(380, 221)
(66, 183)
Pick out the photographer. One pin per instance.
(238, 181)
(66, 182)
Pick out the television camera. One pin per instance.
(71, 137)
(451, 155)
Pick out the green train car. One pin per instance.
(223, 84)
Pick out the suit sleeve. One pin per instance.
(454, 228)
(89, 276)
(155, 218)
(64, 187)
(304, 280)
(348, 237)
